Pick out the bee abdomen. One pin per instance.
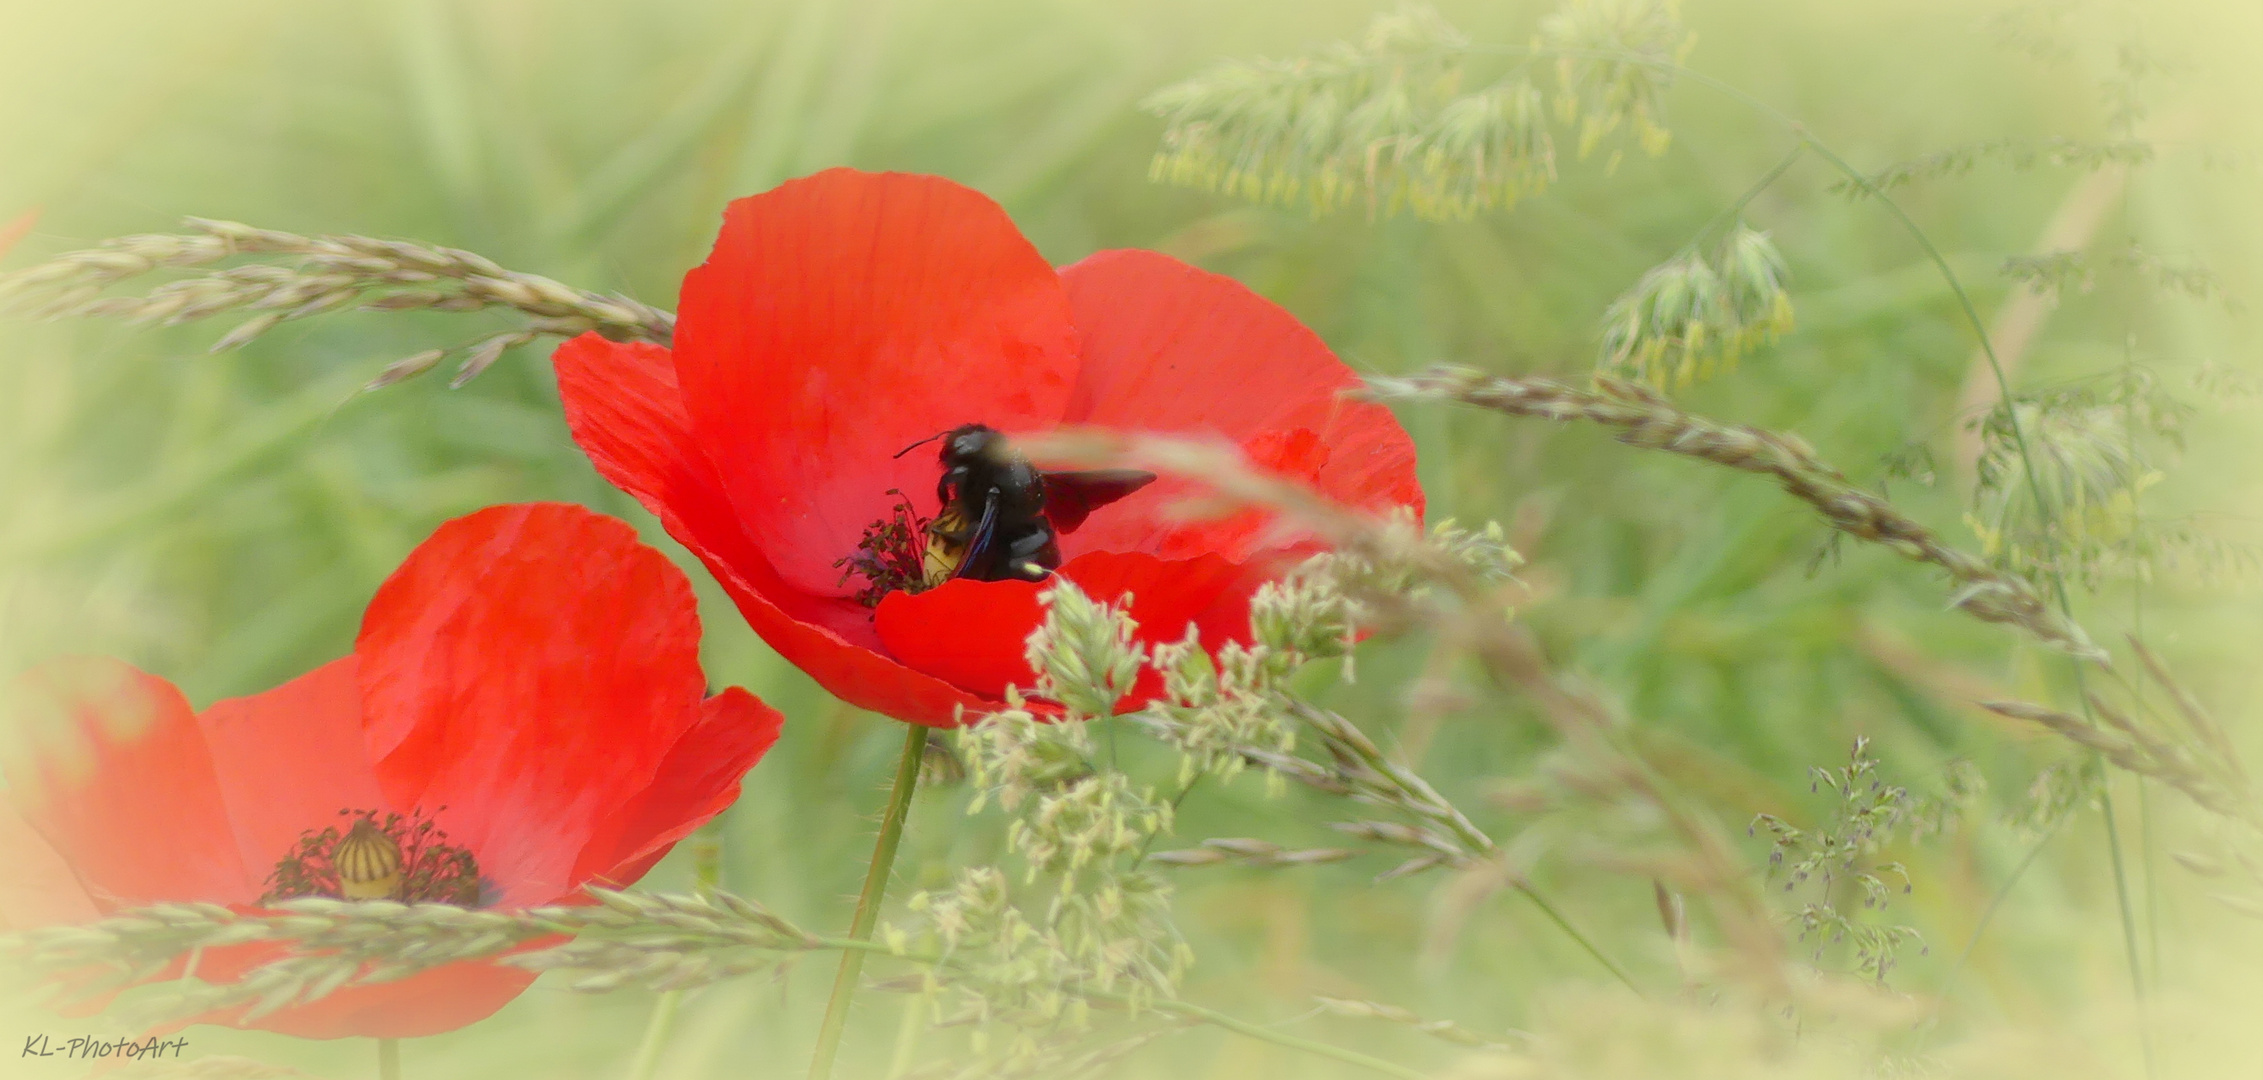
(946, 547)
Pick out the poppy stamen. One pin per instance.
(891, 556)
(378, 857)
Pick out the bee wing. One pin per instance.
(979, 541)
(1070, 497)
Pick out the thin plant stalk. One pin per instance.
(868, 902)
(917, 1008)
(656, 1032)
(1971, 313)
(1988, 915)
(388, 1059)
(707, 874)
(1185, 1009)
(2035, 491)
(1572, 932)
(1736, 209)
(1319, 1049)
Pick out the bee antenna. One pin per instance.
(920, 443)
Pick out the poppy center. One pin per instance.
(891, 556)
(993, 522)
(377, 857)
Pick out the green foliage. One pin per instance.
(222, 519)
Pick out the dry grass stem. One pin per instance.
(1648, 420)
(2216, 786)
(1243, 851)
(301, 276)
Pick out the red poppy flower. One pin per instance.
(845, 315)
(523, 714)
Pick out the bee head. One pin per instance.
(962, 443)
(972, 442)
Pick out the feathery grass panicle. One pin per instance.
(1083, 654)
(1216, 713)
(1615, 66)
(2083, 465)
(1026, 968)
(1695, 316)
(2061, 473)
(2053, 274)
(2187, 277)
(1383, 122)
(2018, 153)
(1870, 815)
(304, 276)
(1386, 122)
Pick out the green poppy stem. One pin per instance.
(388, 1059)
(868, 902)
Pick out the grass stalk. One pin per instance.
(868, 902)
(1572, 932)
(1988, 915)
(2035, 491)
(707, 874)
(1215, 1018)
(1862, 181)
(858, 947)
(656, 1032)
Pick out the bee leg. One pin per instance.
(1032, 554)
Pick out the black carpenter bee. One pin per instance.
(1003, 517)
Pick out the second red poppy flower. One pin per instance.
(523, 715)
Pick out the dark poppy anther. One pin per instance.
(892, 554)
(389, 857)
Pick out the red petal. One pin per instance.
(966, 632)
(1171, 348)
(696, 781)
(133, 806)
(528, 667)
(974, 633)
(38, 889)
(291, 758)
(844, 316)
(427, 1003)
(624, 410)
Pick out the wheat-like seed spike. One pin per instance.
(1646, 420)
(312, 275)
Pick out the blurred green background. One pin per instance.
(221, 520)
